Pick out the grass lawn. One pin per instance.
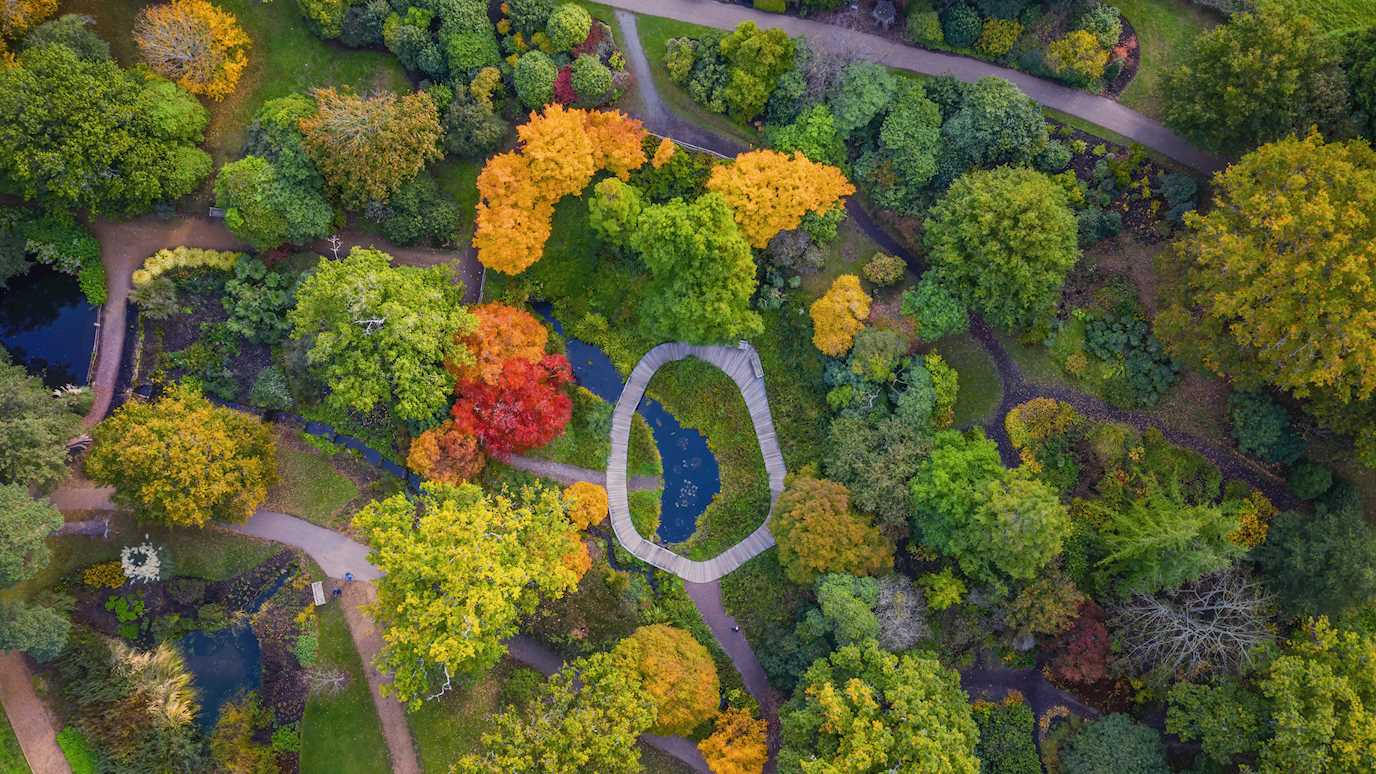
(11, 757)
(655, 32)
(309, 485)
(81, 755)
(1338, 16)
(653, 761)
(761, 599)
(586, 440)
(1165, 31)
(980, 388)
(459, 179)
(452, 725)
(340, 734)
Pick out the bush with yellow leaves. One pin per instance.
(838, 315)
(200, 47)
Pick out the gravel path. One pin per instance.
(33, 724)
(569, 474)
(390, 712)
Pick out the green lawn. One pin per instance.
(310, 487)
(1338, 16)
(1165, 31)
(340, 734)
(586, 440)
(459, 179)
(448, 727)
(980, 388)
(761, 599)
(81, 755)
(11, 757)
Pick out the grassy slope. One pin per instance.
(341, 734)
(586, 440)
(11, 757)
(1165, 30)
(310, 487)
(980, 388)
(452, 725)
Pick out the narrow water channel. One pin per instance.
(47, 326)
(691, 475)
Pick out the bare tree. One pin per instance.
(901, 610)
(1210, 625)
(325, 681)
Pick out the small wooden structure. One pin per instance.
(318, 592)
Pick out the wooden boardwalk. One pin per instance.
(742, 364)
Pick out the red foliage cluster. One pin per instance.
(593, 44)
(523, 408)
(563, 87)
(1082, 653)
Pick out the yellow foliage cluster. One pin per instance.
(560, 152)
(838, 315)
(737, 743)
(770, 192)
(1037, 420)
(586, 503)
(194, 43)
(664, 153)
(168, 259)
(106, 575)
(677, 672)
(19, 16)
(1254, 514)
(817, 533)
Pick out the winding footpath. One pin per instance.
(1095, 109)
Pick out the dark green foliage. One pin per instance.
(683, 177)
(708, 76)
(1054, 157)
(40, 632)
(1094, 225)
(1359, 61)
(1001, 9)
(54, 238)
(875, 456)
(961, 26)
(1124, 337)
(473, 131)
(1180, 191)
(417, 212)
(948, 92)
(1005, 738)
(995, 124)
(34, 428)
(1320, 564)
(529, 16)
(1262, 428)
(408, 37)
(270, 390)
(257, 301)
(864, 92)
(534, 79)
(1225, 717)
(1116, 744)
(939, 312)
(265, 209)
(1310, 480)
(363, 22)
(813, 134)
(73, 31)
(897, 173)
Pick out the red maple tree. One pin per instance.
(1082, 653)
(523, 408)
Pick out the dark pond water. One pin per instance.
(47, 326)
(691, 475)
(226, 663)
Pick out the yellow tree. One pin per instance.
(194, 43)
(770, 192)
(368, 147)
(461, 568)
(586, 503)
(513, 216)
(182, 461)
(817, 533)
(19, 16)
(737, 744)
(838, 315)
(677, 672)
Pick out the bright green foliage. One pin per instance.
(568, 26)
(24, 525)
(266, 210)
(703, 272)
(757, 60)
(864, 91)
(995, 124)
(73, 31)
(462, 567)
(812, 134)
(1003, 240)
(1005, 737)
(1116, 744)
(1225, 718)
(943, 588)
(534, 79)
(1320, 564)
(381, 335)
(875, 357)
(471, 50)
(87, 134)
(614, 211)
(324, 17)
(949, 486)
(925, 27)
(40, 632)
(1261, 76)
(257, 300)
(847, 602)
(35, 426)
(865, 710)
(591, 79)
(938, 312)
(587, 718)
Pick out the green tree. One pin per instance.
(87, 134)
(876, 456)
(1359, 61)
(72, 30)
(25, 523)
(813, 134)
(182, 461)
(587, 718)
(948, 488)
(847, 603)
(906, 160)
(1265, 74)
(461, 569)
(938, 312)
(1117, 744)
(380, 335)
(1003, 240)
(35, 426)
(994, 124)
(368, 147)
(1225, 718)
(1320, 564)
(265, 210)
(534, 79)
(703, 272)
(1006, 743)
(864, 91)
(862, 709)
(40, 632)
(757, 59)
(568, 26)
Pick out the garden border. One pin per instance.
(742, 364)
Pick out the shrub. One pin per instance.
(1104, 22)
(1310, 480)
(91, 281)
(568, 26)
(471, 50)
(939, 312)
(961, 26)
(418, 212)
(1094, 225)
(534, 79)
(529, 15)
(1006, 744)
(586, 504)
(1262, 429)
(1077, 57)
(157, 299)
(1054, 157)
(362, 25)
(998, 36)
(925, 27)
(884, 269)
(591, 80)
(838, 315)
(943, 589)
(270, 390)
(1116, 744)
(287, 739)
(106, 575)
(168, 259)
(257, 301)
(324, 17)
(472, 130)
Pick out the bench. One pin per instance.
(318, 592)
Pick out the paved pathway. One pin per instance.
(1098, 110)
(743, 366)
(570, 474)
(390, 712)
(33, 724)
(707, 598)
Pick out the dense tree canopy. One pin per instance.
(265, 209)
(502, 333)
(526, 407)
(462, 566)
(35, 426)
(817, 533)
(737, 744)
(195, 44)
(769, 192)
(1320, 564)
(677, 672)
(367, 147)
(381, 335)
(866, 710)
(182, 461)
(994, 124)
(24, 525)
(1003, 240)
(89, 134)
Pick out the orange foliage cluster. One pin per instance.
(503, 332)
(818, 533)
(560, 152)
(586, 503)
(578, 560)
(737, 744)
(838, 315)
(19, 16)
(446, 454)
(194, 43)
(677, 672)
(1034, 422)
(664, 153)
(770, 192)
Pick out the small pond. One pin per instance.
(47, 325)
(691, 475)
(227, 662)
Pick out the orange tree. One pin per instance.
(737, 743)
(503, 332)
(19, 16)
(446, 454)
(180, 460)
(194, 43)
(838, 315)
(817, 533)
(770, 192)
(368, 147)
(677, 672)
